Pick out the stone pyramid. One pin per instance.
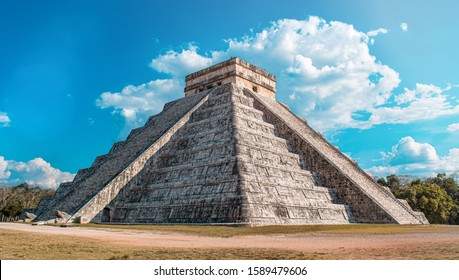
(226, 153)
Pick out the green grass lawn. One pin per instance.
(228, 231)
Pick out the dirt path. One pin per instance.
(308, 242)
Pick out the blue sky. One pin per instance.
(377, 78)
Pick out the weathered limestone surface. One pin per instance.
(368, 201)
(227, 153)
(90, 181)
(278, 189)
(191, 179)
(97, 202)
(234, 71)
(226, 165)
(47, 203)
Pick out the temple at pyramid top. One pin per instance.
(233, 70)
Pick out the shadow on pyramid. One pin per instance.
(227, 153)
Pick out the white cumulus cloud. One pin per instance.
(409, 151)
(4, 119)
(373, 33)
(453, 127)
(404, 26)
(4, 173)
(137, 103)
(181, 63)
(421, 91)
(376, 32)
(425, 102)
(414, 158)
(35, 172)
(326, 67)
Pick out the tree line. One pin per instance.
(437, 197)
(14, 200)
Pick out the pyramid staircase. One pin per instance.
(368, 200)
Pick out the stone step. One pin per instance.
(169, 105)
(151, 119)
(273, 170)
(292, 215)
(296, 201)
(99, 160)
(184, 201)
(260, 140)
(250, 112)
(242, 131)
(275, 180)
(240, 98)
(216, 100)
(174, 157)
(275, 159)
(255, 124)
(82, 173)
(180, 203)
(223, 165)
(223, 183)
(219, 121)
(117, 146)
(134, 132)
(211, 112)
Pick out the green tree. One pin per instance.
(431, 199)
(13, 208)
(448, 183)
(13, 200)
(393, 181)
(382, 182)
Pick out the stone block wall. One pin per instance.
(191, 179)
(106, 194)
(234, 71)
(90, 181)
(368, 202)
(277, 188)
(226, 166)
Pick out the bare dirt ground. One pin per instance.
(442, 244)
